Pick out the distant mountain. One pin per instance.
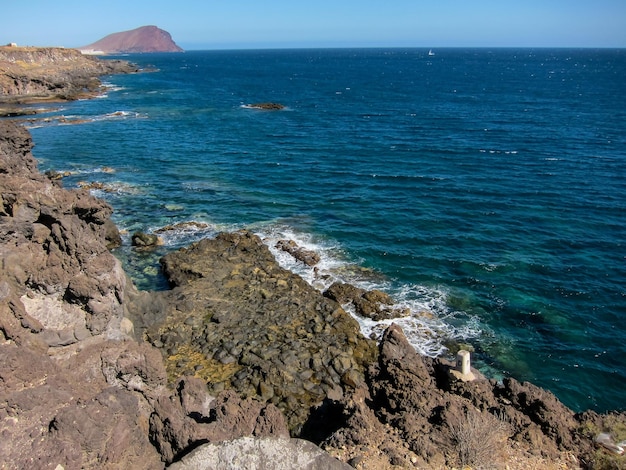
(143, 39)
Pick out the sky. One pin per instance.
(250, 24)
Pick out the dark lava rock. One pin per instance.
(145, 240)
(76, 391)
(411, 411)
(267, 106)
(239, 321)
(308, 257)
(372, 304)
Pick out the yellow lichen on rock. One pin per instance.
(189, 361)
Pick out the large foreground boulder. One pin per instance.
(260, 454)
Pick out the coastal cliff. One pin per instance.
(35, 75)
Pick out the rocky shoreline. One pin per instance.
(240, 361)
(46, 75)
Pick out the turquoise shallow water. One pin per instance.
(484, 189)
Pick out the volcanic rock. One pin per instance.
(308, 257)
(411, 412)
(238, 320)
(265, 453)
(372, 304)
(32, 74)
(143, 39)
(145, 240)
(268, 106)
(251, 350)
(77, 391)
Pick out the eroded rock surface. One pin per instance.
(372, 304)
(418, 416)
(238, 320)
(238, 348)
(260, 454)
(34, 74)
(53, 245)
(76, 389)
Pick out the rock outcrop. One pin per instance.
(45, 74)
(420, 415)
(238, 320)
(267, 106)
(77, 390)
(139, 40)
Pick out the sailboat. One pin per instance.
(431, 53)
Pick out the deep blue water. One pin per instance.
(484, 189)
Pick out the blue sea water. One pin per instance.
(485, 190)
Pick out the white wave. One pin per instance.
(495, 151)
(185, 232)
(119, 115)
(74, 119)
(112, 87)
(115, 187)
(430, 323)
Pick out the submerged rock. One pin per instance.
(145, 240)
(267, 106)
(191, 225)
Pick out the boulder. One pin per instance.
(268, 453)
(373, 304)
(308, 257)
(145, 240)
(174, 429)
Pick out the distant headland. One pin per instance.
(50, 74)
(140, 40)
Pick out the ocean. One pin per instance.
(483, 189)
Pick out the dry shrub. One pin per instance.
(479, 439)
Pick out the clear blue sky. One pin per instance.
(221, 24)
